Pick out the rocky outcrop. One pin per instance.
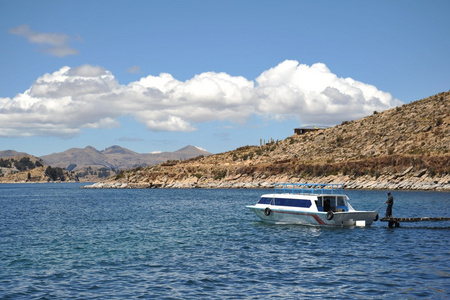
(407, 147)
(404, 181)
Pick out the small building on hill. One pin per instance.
(299, 131)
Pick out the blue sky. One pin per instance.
(159, 75)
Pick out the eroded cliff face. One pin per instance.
(407, 147)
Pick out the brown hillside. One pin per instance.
(28, 168)
(404, 147)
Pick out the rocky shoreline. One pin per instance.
(393, 182)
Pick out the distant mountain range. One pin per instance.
(114, 157)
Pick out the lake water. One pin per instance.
(59, 241)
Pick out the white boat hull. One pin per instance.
(289, 216)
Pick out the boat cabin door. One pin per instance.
(328, 203)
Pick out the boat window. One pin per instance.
(319, 201)
(264, 200)
(340, 201)
(293, 202)
(341, 205)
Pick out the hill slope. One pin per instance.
(405, 147)
(11, 153)
(28, 168)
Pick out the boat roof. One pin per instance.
(309, 188)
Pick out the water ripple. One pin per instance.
(57, 241)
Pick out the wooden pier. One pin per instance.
(396, 221)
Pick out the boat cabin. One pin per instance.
(324, 203)
(327, 197)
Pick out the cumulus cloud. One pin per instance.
(64, 102)
(317, 96)
(56, 44)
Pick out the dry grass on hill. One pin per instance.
(414, 137)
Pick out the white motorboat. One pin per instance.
(311, 204)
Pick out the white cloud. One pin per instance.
(64, 102)
(315, 95)
(56, 44)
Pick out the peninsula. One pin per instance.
(406, 147)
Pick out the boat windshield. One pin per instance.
(265, 200)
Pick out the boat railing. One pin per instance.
(309, 188)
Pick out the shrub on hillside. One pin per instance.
(55, 174)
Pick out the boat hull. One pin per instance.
(289, 216)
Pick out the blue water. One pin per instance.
(58, 241)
